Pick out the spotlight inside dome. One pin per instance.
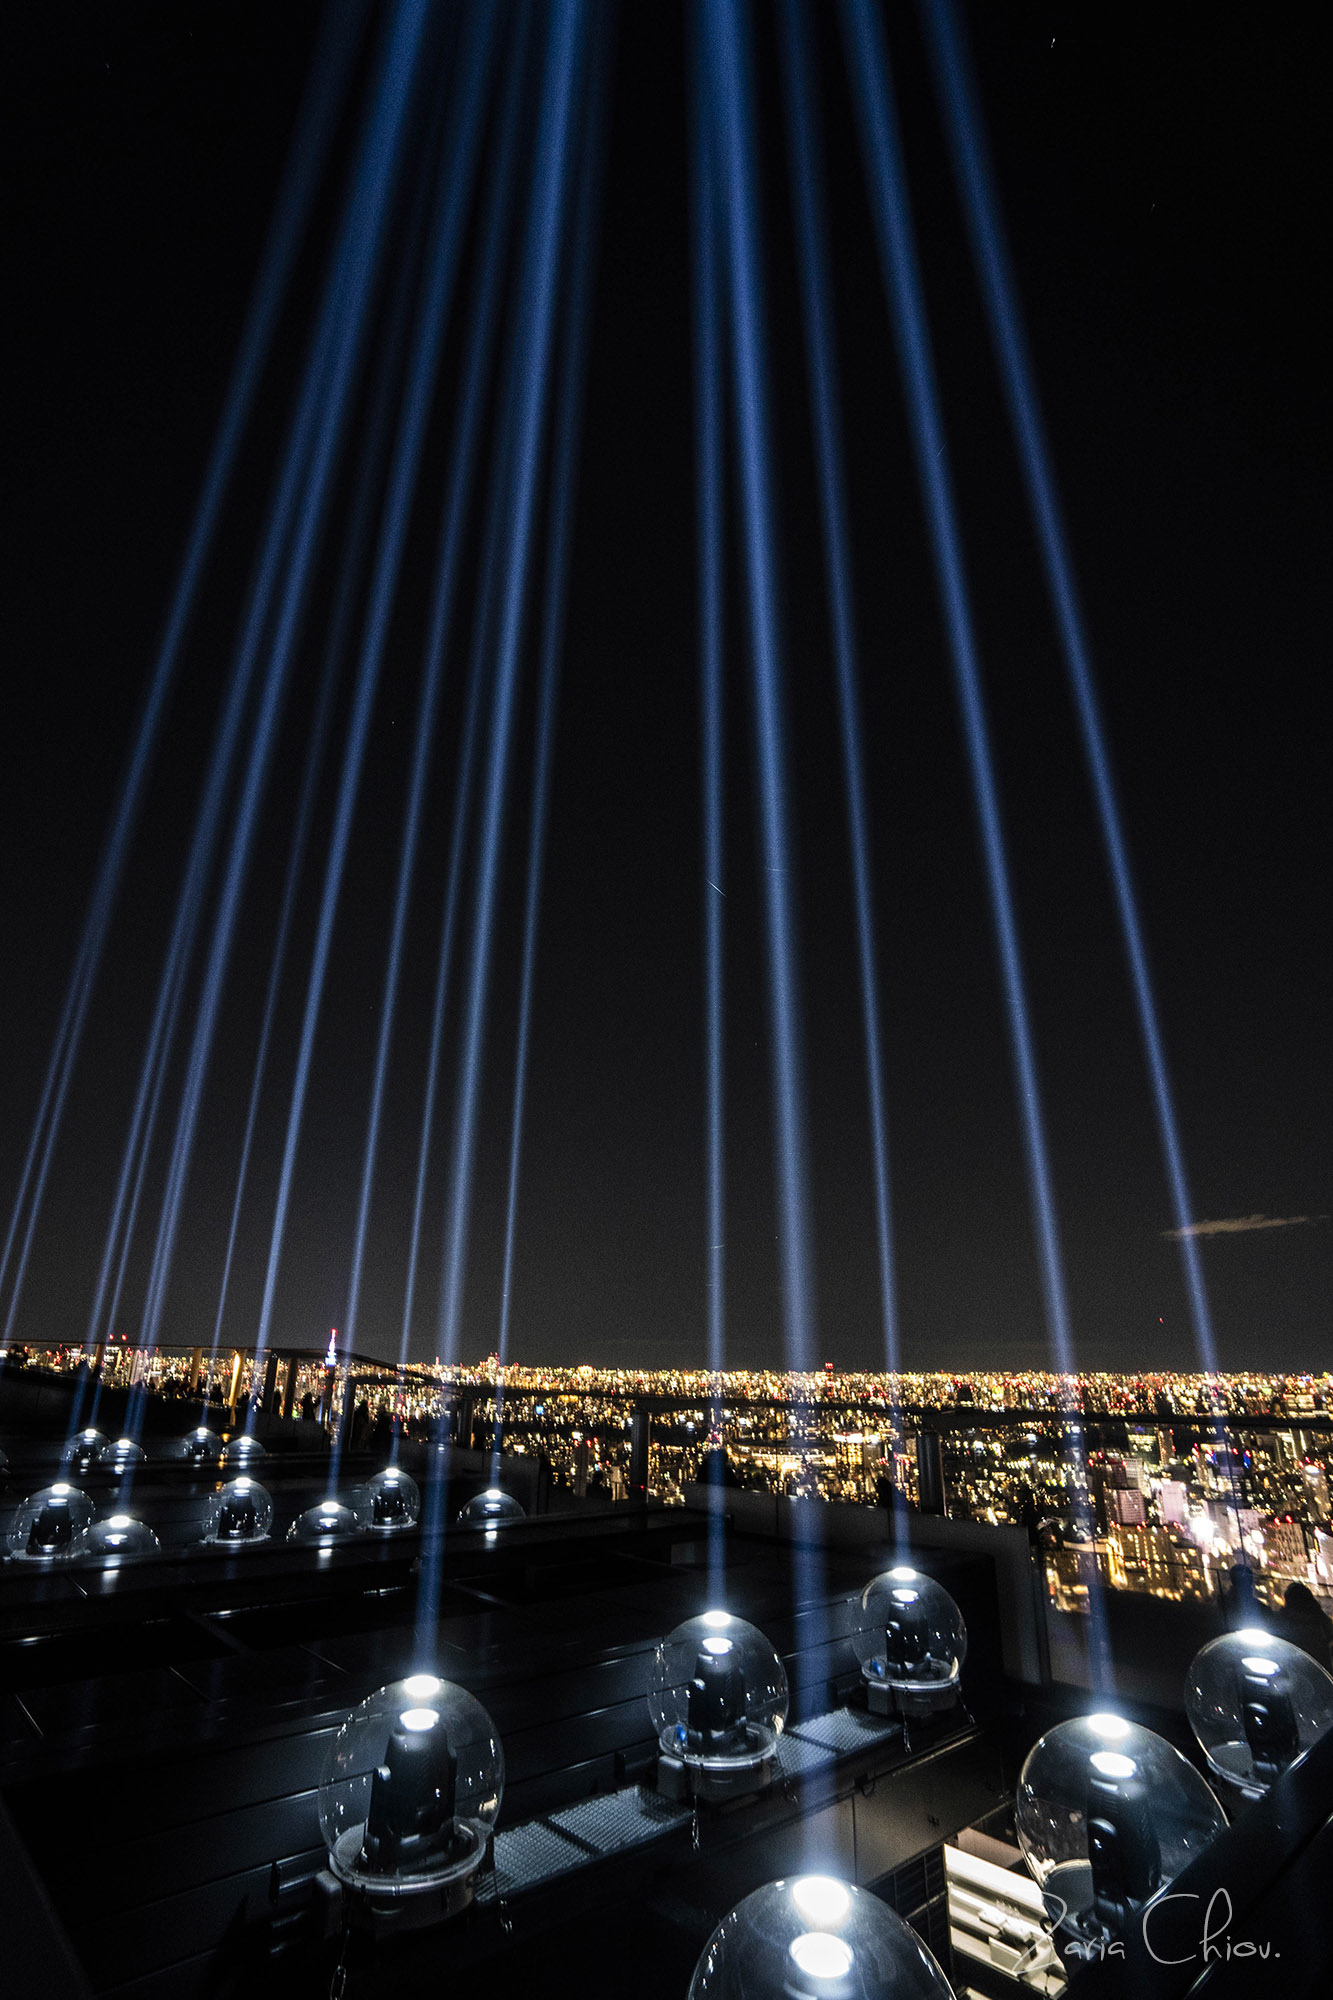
(241, 1512)
(411, 1791)
(330, 1521)
(243, 1449)
(119, 1536)
(1256, 1703)
(718, 1698)
(1104, 1829)
(821, 1900)
(121, 1453)
(200, 1446)
(51, 1525)
(815, 1939)
(821, 1955)
(83, 1450)
(388, 1503)
(491, 1509)
(911, 1641)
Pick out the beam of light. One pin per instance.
(868, 67)
(809, 203)
(564, 472)
(375, 202)
(471, 406)
(451, 213)
(709, 445)
(965, 132)
(323, 99)
(491, 567)
(528, 370)
(453, 891)
(349, 570)
(727, 93)
(356, 540)
(134, 1158)
(872, 92)
(730, 90)
(292, 532)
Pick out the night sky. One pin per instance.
(1164, 180)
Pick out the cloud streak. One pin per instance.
(1239, 1225)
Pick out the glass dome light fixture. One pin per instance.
(331, 1521)
(492, 1508)
(82, 1450)
(119, 1454)
(1108, 1814)
(717, 1695)
(410, 1793)
(1256, 1703)
(242, 1450)
(911, 1641)
(120, 1537)
(201, 1446)
(390, 1502)
(239, 1513)
(50, 1526)
(815, 1938)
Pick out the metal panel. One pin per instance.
(621, 1819)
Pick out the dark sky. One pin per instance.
(1163, 176)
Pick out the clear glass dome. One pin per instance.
(200, 1446)
(331, 1521)
(1108, 1814)
(51, 1524)
(119, 1535)
(121, 1453)
(242, 1450)
(717, 1693)
(1256, 1703)
(490, 1509)
(389, 1501)
(83, 1448)
(241, 1511)
(412, 1788)
(910, 1636)
(814, 1936)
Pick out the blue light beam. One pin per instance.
(527, 371)
(452, 207)
(530, 367)
(308, 463)
(348, 571)
(564, 474)
(872, 91)
(375, 201)
(323, 99)
(471, 404)
(965, 133)
(729, 89)
(709, 444)
(810, 206)
(355, 543)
